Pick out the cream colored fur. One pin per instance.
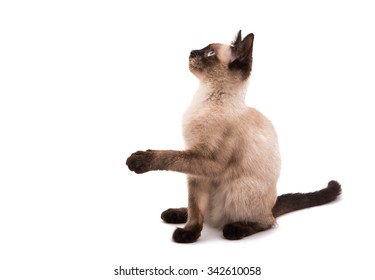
(243, 141)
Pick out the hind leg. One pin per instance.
(175, 215)
(239, 230)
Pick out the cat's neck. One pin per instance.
(224, 96)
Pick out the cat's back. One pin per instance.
(260, 143)
(258, 129)
(254, 118)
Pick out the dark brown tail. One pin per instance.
(296, 201)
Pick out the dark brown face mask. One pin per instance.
(207, 51)
(203, 59)
(240, 64)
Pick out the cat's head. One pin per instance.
(224, 62)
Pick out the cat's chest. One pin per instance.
(206, 122)
(203, 127)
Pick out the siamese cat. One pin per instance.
(232, 158)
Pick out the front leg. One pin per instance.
(198, 201)
(191, 162)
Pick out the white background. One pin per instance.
(83, 84)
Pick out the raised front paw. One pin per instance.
(141, 161)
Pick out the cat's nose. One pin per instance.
(194, 53)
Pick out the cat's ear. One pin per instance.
(237, 39)
(242, 55)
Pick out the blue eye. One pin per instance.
(211, 53)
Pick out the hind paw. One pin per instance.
(235, 231)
